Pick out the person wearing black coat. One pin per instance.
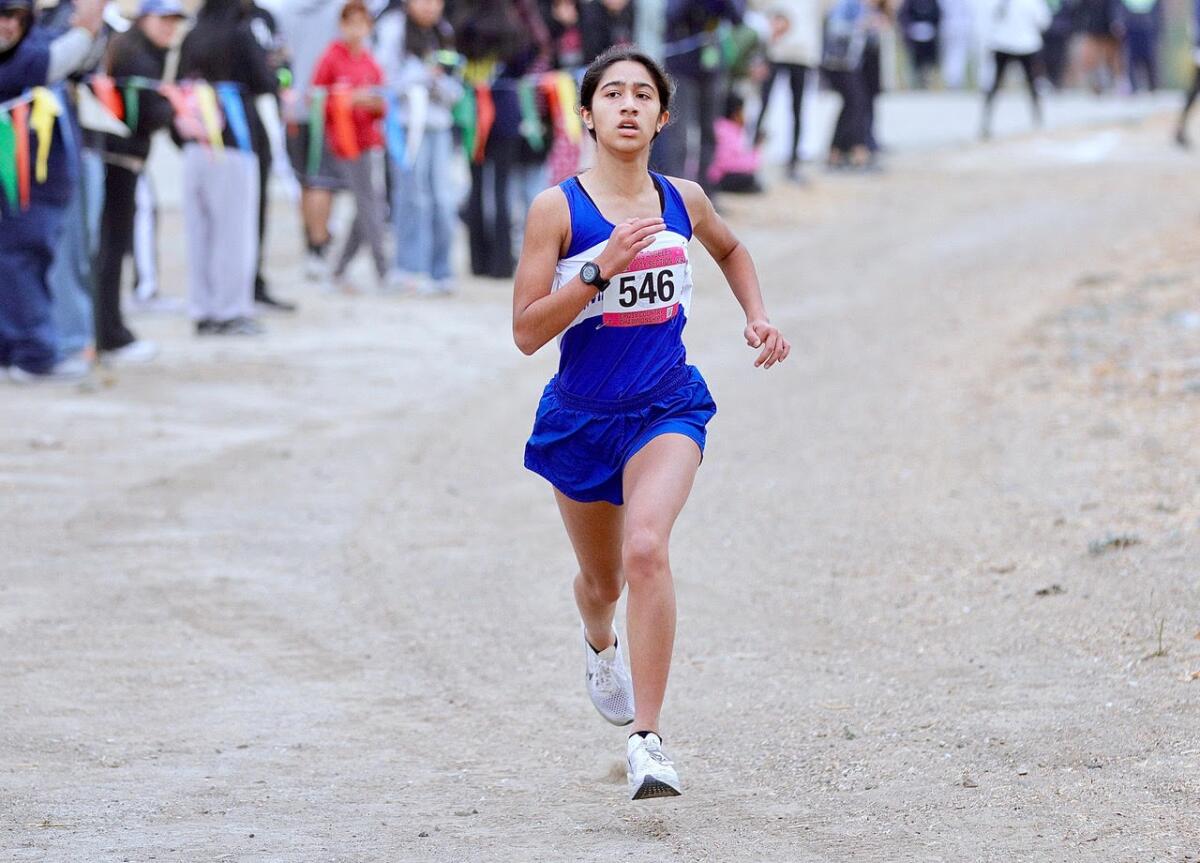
(139, 52)
(605, 23)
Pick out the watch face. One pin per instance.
(589, 274)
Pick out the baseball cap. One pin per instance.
(17, 4)
(165, 8)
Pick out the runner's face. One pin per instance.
(12, 25)
(626, 111)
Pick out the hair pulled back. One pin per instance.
(618, 54)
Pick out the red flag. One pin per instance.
(485, 113)
(20, 118)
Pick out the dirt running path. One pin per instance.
(295, 599)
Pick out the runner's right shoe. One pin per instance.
(608, 682)
(650, 772)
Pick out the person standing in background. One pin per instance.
(423, 199)
(1181, 135)
(793, 50)
(1137, 23)
(957, 35)
(1015, 36)
(693, 59)
(1100, 50)
(606, 23)
(348, 71)
(842, 53)
(139, 52)
(307, 26)
(29, 234)
(220, 191)
(920, 22)
(266, 31)
(1056, 42)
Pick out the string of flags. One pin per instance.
(204, 110)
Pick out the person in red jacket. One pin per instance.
(353, 107)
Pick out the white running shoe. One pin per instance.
(608, 682)
(651, 773)
(137, 352)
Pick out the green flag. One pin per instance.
(8, 160)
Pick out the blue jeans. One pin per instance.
(423, 208)
(70, 277)
(526, 182)
(28, 338)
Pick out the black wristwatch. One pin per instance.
(589, 274)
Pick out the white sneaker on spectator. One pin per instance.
(402, 281)
(445, 287)
(316, 268)
(650, 772)
(66, 371)
(135, 353)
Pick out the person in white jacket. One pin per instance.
(1014, 34)
(793, 49)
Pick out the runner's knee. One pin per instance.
(602, 584)
(644, 554)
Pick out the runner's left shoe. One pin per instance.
(650, 772)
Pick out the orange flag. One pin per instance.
(341, 124)
(106, 92)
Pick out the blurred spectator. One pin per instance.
(31, 58)
(70, 276)
(794, 48)
(220, 192)
(842, 55)
(605, 23)
(1014, 35)
(1056, 41)
(139, 52)
(266, 31)
(957, 36)
(350, 73)
(920, 21)
(1100, 50)
(566, 32)
(423, 195)
(502, 42)
(307, 26)
(1138, 23)
(735, 163)
(1181, 135)
(693, 59)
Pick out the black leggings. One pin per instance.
(1191, 98)
(1029, 63)
(116, 241)
(797, 76)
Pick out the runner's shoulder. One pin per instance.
(550, 205)
(695, 199)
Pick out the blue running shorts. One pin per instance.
(582, 445)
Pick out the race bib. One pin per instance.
(649, 291)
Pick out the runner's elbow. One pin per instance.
(526, 341)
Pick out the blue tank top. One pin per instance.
(630, 336)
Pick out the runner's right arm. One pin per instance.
(540, 314)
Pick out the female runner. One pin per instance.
(620, 429)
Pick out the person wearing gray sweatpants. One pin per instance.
(359, 174)
(220, 216)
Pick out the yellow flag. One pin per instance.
(46, 108)
(568, 103)
(210, 115)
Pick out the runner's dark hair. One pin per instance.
(617, 54)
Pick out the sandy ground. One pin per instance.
(295, 598)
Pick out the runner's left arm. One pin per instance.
(735, 262)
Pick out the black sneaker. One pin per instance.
(207, 327)
(274, 304)
(240, 327)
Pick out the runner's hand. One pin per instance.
(628, 238)
(775, 348)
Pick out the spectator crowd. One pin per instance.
(391, 105)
